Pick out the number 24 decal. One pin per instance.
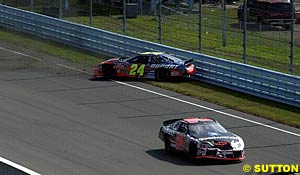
(135, 69)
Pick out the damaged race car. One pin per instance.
(150, 65)
(201, 138)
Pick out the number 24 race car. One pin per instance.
(151, 65)
(202, 138)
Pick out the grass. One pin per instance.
(253, 105)
(49, 47)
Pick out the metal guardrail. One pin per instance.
(259, 82)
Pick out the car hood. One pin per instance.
(223, 141)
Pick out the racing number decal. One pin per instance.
(137, 70)
(179, 141)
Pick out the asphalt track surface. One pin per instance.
(56, 121)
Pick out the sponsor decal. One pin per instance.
(166, 66)
(222, 137)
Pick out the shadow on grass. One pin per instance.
(181, 159)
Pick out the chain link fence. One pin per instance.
(211, 27)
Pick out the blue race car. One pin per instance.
(150, 65)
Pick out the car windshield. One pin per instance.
(207, 129)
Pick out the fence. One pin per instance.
(244, 78)
(221, 34)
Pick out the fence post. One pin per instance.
(60, 10)
(141, 6)
(91, 13)
(223, 23)
(31, 5)
(66, 4)
(159, 22)
(124, 17)
(292, 39)
(245, 32)
(200, 27)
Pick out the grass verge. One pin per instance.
(232, 99)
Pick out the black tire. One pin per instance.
(192, 151)
(162, 75)
(167, 144)
(109, 72)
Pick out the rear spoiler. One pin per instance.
(188, 61)
(168, 122)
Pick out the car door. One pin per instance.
(136, 66)
(181, 137)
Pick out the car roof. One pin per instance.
(193, 120)
(151, 53)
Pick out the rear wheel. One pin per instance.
(109, 72)
(162, 75)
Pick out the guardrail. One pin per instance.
(259, 82)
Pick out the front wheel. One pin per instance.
(167, 144)
(162, 75)
(192, 151)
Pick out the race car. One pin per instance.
(201, 138)
(150, 65)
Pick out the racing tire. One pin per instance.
(192, 152)
(162, 75)
(167, 144)
(109, 72)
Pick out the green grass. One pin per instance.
(218, 95)
(50, 47)
(235, 100)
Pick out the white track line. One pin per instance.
(68, 67)
(19, 53)
(19, 167)
(211, 109)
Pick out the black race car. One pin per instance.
(150, 65)
(201, 138)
